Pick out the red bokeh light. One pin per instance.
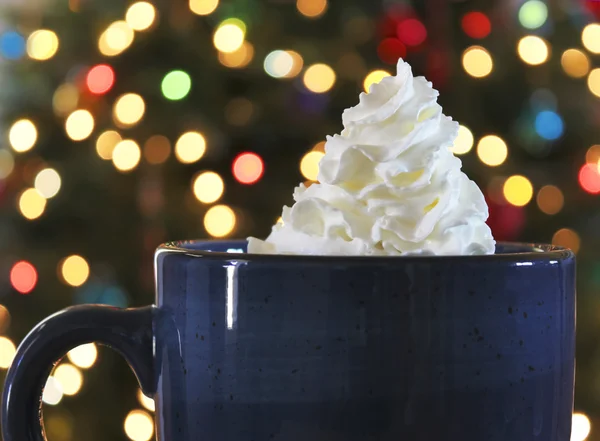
(23, 277)
(248, 168)
(100, 79)
(476, 25)
(412, 32)
(390, 50)
(589, 178)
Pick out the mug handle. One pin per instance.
(128, 331)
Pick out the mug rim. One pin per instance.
(536, 252)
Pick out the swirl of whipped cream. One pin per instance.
(388, 184)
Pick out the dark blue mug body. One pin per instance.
(254, 348)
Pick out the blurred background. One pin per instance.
(124, 124)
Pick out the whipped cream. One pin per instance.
(388, 184)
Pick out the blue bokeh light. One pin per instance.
(549, 125)
(12, 45)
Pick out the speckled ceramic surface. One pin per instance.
(350, 349)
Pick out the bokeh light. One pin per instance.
(74, 270)
(22, 135)
(229, 37)
(42, 45)
(4, 319)
(190, 147)
(53, 392)
(79, 125)
(157, 149)
(390, 50)
(492, 150)
(550, 199)
(65, 99)
(139, 426)
(533, 14)
(248, 168)
(129, 109)
(549, 125)
(575, 63)
(319, 78)
(412, 32)
(208, 187)
(309, 165)
(518, 190)
(117, 37)
(83, 356)
(374, 77)
(69, 377)
(203, 7)
(278, 64)
(219, 221)
(7, 352)
(140, 16)
(176, 85)
(311, 8)
(106, 142)
(145, 401)
(12, 45)
(589, 178)
(476, 25)
(7, 163)
(47, 183)
(126, 155)
(100, 79)
(565, 237)
(239, 58)
(23, 277)
(592, 156)
(31, 204)
(239, 111)
(594, 82)
(590, 36)
(464, 141)
(477, 62)
(581, 427)
(533, 50)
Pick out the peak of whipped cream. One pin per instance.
(388, 184)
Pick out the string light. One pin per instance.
(126, 155)
(145, 401)
(248, 168)
(309, 165)
(129, 109)
(31, 204)
(7, 352)
(203, 7)
(476, 25)
(477, 62)
(533, 50)
(42, 45)
(83, 356)
(65, 99)
(74, 270)
(374, 78)
(319, 78)
(464, 141)
(190, 147)
(79, 125)
(567, 238)
(140, 16)
(492, 150)
(518, 191)
(23, 277)
(22, 135)
(589, 178)
(69, 377)
(208, 187)
(105, 144)
(549, 125)
(594, 82)
(229, 37)
(278, 64)
(239, 58)
(53, 393)
(219, 221)
(550, 199)
(139, 426)
(47, 183)
(157, 149)
(533, 14)
(176, 85)
(117, 37)
(311, 8)
(581, 427)
(100, 79)
(575, 63)
(590, 37)
(412, 32)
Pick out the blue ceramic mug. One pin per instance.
(253, 348)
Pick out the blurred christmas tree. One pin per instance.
(130, 124)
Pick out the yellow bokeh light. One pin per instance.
(42, 45)
(565, 237)
(239, 58)
(309, 165)
(464, 141)
(208, 187)
(7, 163)
(53, 392)
(79, 125)
(477, 62)
(311, 8)
(83, 356)
(74, 270)
(581, 427)
(145, 401)
(129, 109)
(229, 37)
(550, 199)
(533, 50)
(492, 150)
(190, 147)
(126, 155)
(575, 63)
(374, 78)
(31, 204)
(22, 135)
(140, 16)
(69, 377)
(319, 78)
(116, 38)
(518, 190)
(203, 7)
(7, 352)
(65, 99)
(106, 143)
(219, 221)
(594, 82)
(139, 426)
(47, 183)
(297, 65)
(590, 36)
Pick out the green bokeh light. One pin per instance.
(533, 14)
(176, 85)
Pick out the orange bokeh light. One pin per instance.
(589, 178)
(248, 168)
(23, 277)
(100, 79)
